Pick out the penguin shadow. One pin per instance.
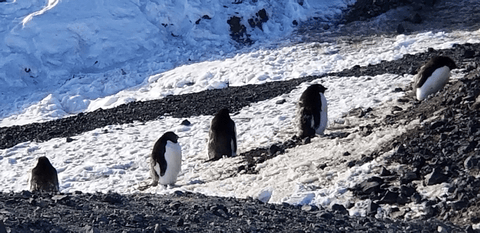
(335, 135)
(144, 186)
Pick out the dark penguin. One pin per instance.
(433, 76)
(44, 176)
(222, 136)
(166, 160)
(311, 115)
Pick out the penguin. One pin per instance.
(44, 176)
(311, 116)
(433, 76)
(222, 136)
(166, 160)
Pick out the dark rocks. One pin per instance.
(460, 204)
(325, 215)
(190, 212)
(369, 188)
(398, 89)
(337, 208)
(442, 149)
(203, 17)
(436, 177)
(112, 198)
(385, 172)
(260, 18)
(185, 123)
(238, 31)
(407, 190)
(471, 162)
(91, 229)
(396, 108)
(372, 208)
(2, 227)
(408, 177)
(357, 112)
(416, 18)
(389, 198)
(400, 29)
(469, 53)
(274, 149)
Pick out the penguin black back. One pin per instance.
(44, 176)
(158, 153)
(222, 136)
(309, 107)
(433, 64)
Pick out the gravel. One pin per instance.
(442, 149)
(182, 212)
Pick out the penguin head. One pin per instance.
(223, 113)
(318, 88)
(445, 61)
(170, 136)
(43, 162)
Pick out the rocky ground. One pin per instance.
(443, 148)
(183, 212)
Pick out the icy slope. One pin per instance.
(72, 52)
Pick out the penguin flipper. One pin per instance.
(306, 126)
(55, 183)
(158, 162)
(316, 119)
(234, 141)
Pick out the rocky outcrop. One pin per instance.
(443, 149)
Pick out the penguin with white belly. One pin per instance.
(311, 116)
(44, 176)
(433, 76)
(166, 160)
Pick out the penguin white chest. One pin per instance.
(173, 156)
(434, 83)
(323, 116)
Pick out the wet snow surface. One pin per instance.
(384, 156)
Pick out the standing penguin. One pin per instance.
(44, 176)
(222, 136)
(311, 115)
(166, 160)
(433, 76)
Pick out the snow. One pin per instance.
(59, 61)
(93, 49)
